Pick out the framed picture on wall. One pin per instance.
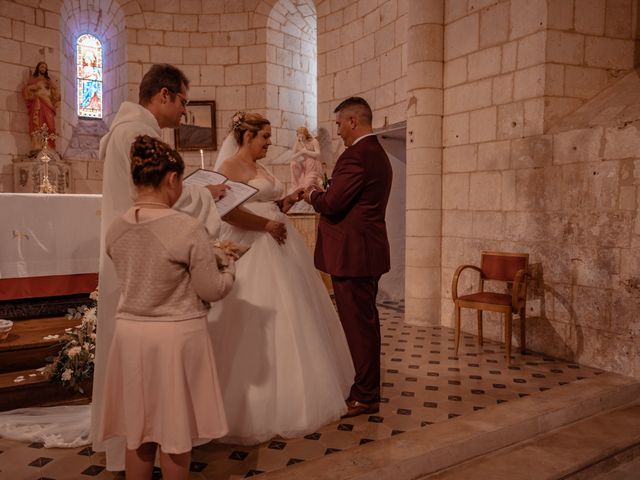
(198, 130)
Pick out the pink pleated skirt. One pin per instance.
(161, 386)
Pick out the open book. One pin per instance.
(237, 194)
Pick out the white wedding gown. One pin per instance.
(283, 360)
(284, 363)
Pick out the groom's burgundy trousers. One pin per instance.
(356, 302)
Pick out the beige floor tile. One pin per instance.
(424, 383)
(304, 450)
(338, 439)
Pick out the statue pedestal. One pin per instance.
(307, 226)
(28, 173)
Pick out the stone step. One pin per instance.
(625, 469)
(30, 308)
(419, 453)
(26, 346)
(570, 452)
(22, 353)
(35, 390)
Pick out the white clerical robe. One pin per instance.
(117, 197)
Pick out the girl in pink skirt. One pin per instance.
(161, 387)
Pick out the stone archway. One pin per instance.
(290, 66)
(104, 19)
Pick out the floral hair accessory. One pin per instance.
(237, 120)
(172, 156)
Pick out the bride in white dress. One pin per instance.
(284, 363)
(285, 366)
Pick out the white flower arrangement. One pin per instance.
(74, 363)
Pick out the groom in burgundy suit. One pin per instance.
(352, 244)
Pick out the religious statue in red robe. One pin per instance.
(42, 96)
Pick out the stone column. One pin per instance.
(424, 161)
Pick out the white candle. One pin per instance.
(201, 159)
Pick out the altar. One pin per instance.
(50, 244)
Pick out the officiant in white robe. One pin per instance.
(162, 102)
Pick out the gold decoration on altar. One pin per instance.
(44, 156)
(19, 234)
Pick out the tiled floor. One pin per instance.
(423, 383)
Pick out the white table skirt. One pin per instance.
(48, 235)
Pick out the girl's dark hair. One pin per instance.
(151, 160)
(247, 122)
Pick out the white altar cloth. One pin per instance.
(48, 235)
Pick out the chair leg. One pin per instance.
(457, 310)
(507, 336)
(523, 335)
(480, 341)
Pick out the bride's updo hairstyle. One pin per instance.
(151, 160)
(247, 122)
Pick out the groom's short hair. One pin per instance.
(360, 108)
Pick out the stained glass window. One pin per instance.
(89, 76)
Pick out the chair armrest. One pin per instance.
(456, 276)
(519, 291)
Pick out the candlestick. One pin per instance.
(201, 159)
(43, 156)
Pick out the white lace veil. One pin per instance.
(227, 150)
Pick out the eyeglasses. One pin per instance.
(183, 99)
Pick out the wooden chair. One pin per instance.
(504, 267)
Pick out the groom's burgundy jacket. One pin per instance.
(352, 233)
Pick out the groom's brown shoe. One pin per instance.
(358, 408)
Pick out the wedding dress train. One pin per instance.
(66, 426)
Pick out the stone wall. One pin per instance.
(513, 69)
(30, 33)
(291, 69)
(290, 92)
(590, 44)
(219, 45)
(362, 50)
(105, 20)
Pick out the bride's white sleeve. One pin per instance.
(198, 202)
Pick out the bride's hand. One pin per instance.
(277, 230)
(291, 199)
